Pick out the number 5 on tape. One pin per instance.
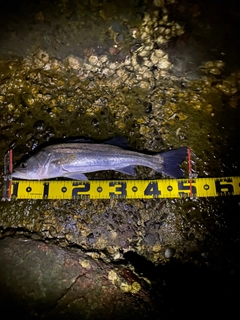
(184, 188)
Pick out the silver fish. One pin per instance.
(72, 160)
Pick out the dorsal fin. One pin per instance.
(118, 141)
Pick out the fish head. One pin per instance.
(24, 171)
(31, 168)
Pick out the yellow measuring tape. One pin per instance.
(127, 189)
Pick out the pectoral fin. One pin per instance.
(75, 176)
(127, 170)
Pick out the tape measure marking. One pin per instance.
(127, 189)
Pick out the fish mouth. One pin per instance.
(19, 175)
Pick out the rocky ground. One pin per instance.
(161, 73)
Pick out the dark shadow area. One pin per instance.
(186, 289)
(211, 32)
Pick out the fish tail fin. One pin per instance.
(172, 160)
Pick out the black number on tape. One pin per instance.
(81, 189)
(152, 190)
(120, 187)
(185, 189)
(45, 190)
(224, 188)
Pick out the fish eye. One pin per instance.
(23, 165)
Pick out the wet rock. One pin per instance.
(37, 285)
(169, 253)
(116, 26)
(39, 125)
(43, 56)
(147, 106)
(151, 239)
(95, 122)
(93, 60)
(27, 100)
(74, 62)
